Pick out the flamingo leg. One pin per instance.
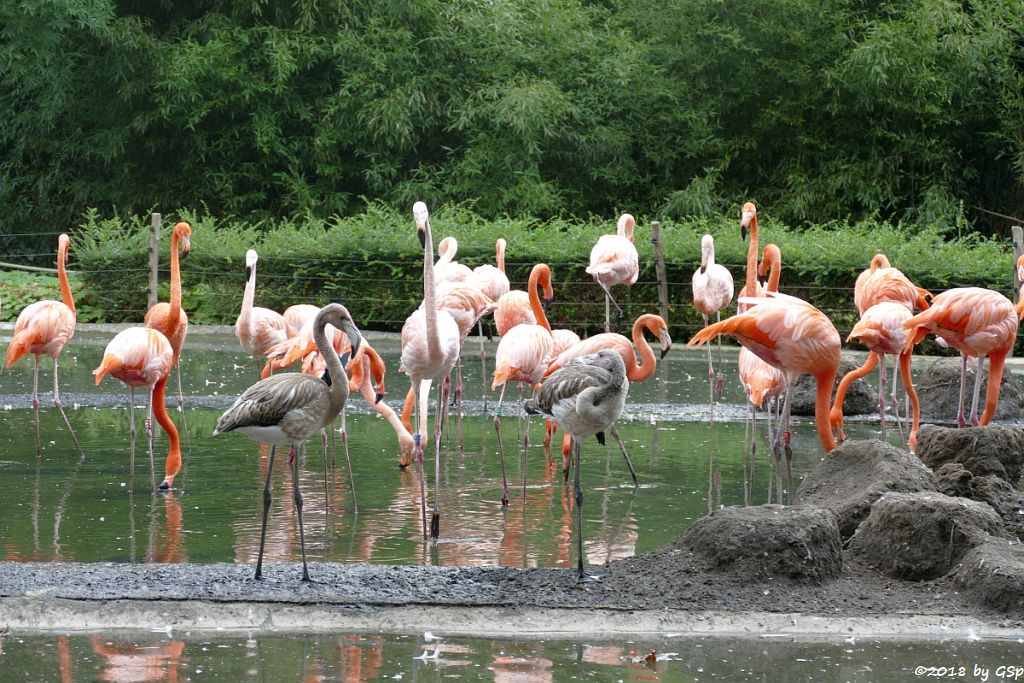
(348, 462)
(327, 494)
(181, 409)
(420, 400)
(149, 437)
(458, 398)
(35, 399)
(711, 369)
(914, 406)
(501, 448)
(746, 436)
(977, 390)
(483, 360)
(578, 499)
(622, 449)
(435, 519)
(60, 408)
(720, 383)
(297, 497)
(607, 312)
(131, 434)
(881, 392)
(960, 421)
(894, 401)
(781, 445)
(267, 497)
(259, 370)
(519, 413)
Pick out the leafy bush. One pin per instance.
(373, 263)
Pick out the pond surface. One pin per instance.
(364, 657)
(58, 507)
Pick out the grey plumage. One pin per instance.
(287, 409)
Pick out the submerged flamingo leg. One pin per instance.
(435, 519)
(501, 448)
(267, 497)
(348, 463)
(181, 409)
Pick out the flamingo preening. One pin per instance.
(430, 348)
(44, 328)
(258, 329)
(492, 281)
(614, 261)
(287, 409)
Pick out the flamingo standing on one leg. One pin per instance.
(614, 261)
(44, 328)
(140, 357)
(258, 329)
(172, 321)
(287, 409)
(430, 348)
(492, 281)
(977, 322)
(712, 292)
(522, 356)
(798, 339)
(637, 370)
(585, 397)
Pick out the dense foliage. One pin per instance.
(372, 263)
(819, 111)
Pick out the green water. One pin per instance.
(365, 657)
(59, 508)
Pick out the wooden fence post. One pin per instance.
(154, 260)
(1018, 251)
(659, 270)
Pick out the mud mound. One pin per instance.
(800, 543)
(938, 389)
(995, 449)
(1006, 500)
(853, 476)
(992, 575)
(920, 536)
(953, 480)
(861, 398)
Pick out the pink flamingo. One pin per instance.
(712, 292)
(430, 347)
(170, 318)
(447, 269)
(258, 329)
(492, 281)
(614, 261)
(798, 339)
(976, 322)
(522, 356)
(44, 328)
(748, 223)
(299, 314)
(140, 357)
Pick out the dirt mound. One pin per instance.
(853, 476)
(861, 397)
(995, 449)
(953, 480)
(1006, 500)
(800, 543)
(992, 575)
(938, 389)
(920, 536)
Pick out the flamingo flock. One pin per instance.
(579, 386)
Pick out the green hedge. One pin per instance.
(373, 263)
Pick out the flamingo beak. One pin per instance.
(248, 272)
(186, 247)
(379, 398)
(745, 218)
(666, 342)
(422, 234)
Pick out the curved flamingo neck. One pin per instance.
(638, 373)
(880, 261)
(62, 275)
(752, 249)
(500, 255)
(429, 300)
(822, 398)
(174, 315)
(539, 276)
(339, 390)
(173, 464)
(773, 259)
(626, 226)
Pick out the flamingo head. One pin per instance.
(250, 262)
(665, 339)
(707, 252)
(184, 232)
(63, 243)
(421, 216)
(748, 214)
